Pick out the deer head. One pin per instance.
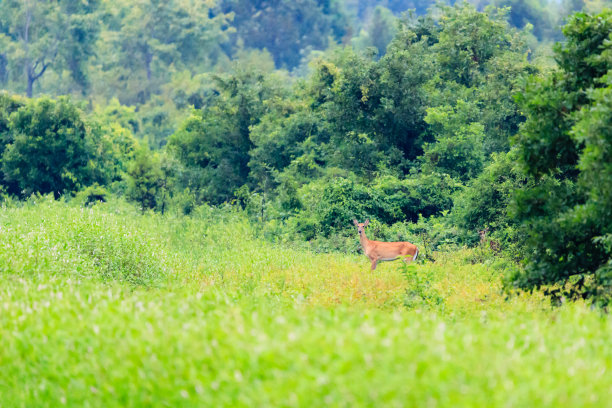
(483, 234)
(361, 226)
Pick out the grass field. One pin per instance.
(104, 307)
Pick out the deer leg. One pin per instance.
(374, 262)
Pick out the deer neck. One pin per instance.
(365, 242)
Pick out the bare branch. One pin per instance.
(34, 75)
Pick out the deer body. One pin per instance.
(385, 251)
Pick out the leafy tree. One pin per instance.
(44, 35)
(82, 29)
(378, 31)
(148, 39)
(214, 144)
(564, 146)
(420, 194)
(115, 145)
(533, 12)
(51, 149)
(31, 36)
(457, 150)
(287, 149)
(468, 40)
(8, 105)
(485, 201)
(483, 67)
(500, 115)
(376, 106)
(120, 115)
(366, 120)
(328, 204)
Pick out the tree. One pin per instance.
(32, 36)
(286, 28)
(479, 59)
(8, 105)
(565, 147)
(375, 109)
(51, 149)
(468, 40)
(486, 199)
(81, 31)
(457, 150)
(116, 146)
(366, 117)
(43, 35)
(533, 12)
(149, 39)
(214, 143)
(378, 31)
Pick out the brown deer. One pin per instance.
(494, 245)
(384, 251)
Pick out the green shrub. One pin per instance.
(420, 291)
(92, 195)
(47, 237)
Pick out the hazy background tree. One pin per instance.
(147, 40)
(288, 29)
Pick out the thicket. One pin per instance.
(566, 149)
(437, 136)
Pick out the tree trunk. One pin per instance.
(3, 69)
(148, 59)
(33, 75)
(30, 85)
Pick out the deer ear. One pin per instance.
(365, 224)
(355, 222)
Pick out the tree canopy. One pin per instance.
(565, 147)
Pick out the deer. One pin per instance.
(494, 245)
(379, 251)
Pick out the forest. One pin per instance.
(221, 149)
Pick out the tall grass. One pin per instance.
(104, 307)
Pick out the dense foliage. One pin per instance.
(387, 138)
(565, 147)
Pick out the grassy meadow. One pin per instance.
(104, 307)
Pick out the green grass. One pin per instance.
(104, 307)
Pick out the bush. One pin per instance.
(47, 237)
(92, 195)
(329, 206)
(485, 201)
(50, 149)
(420, 291)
